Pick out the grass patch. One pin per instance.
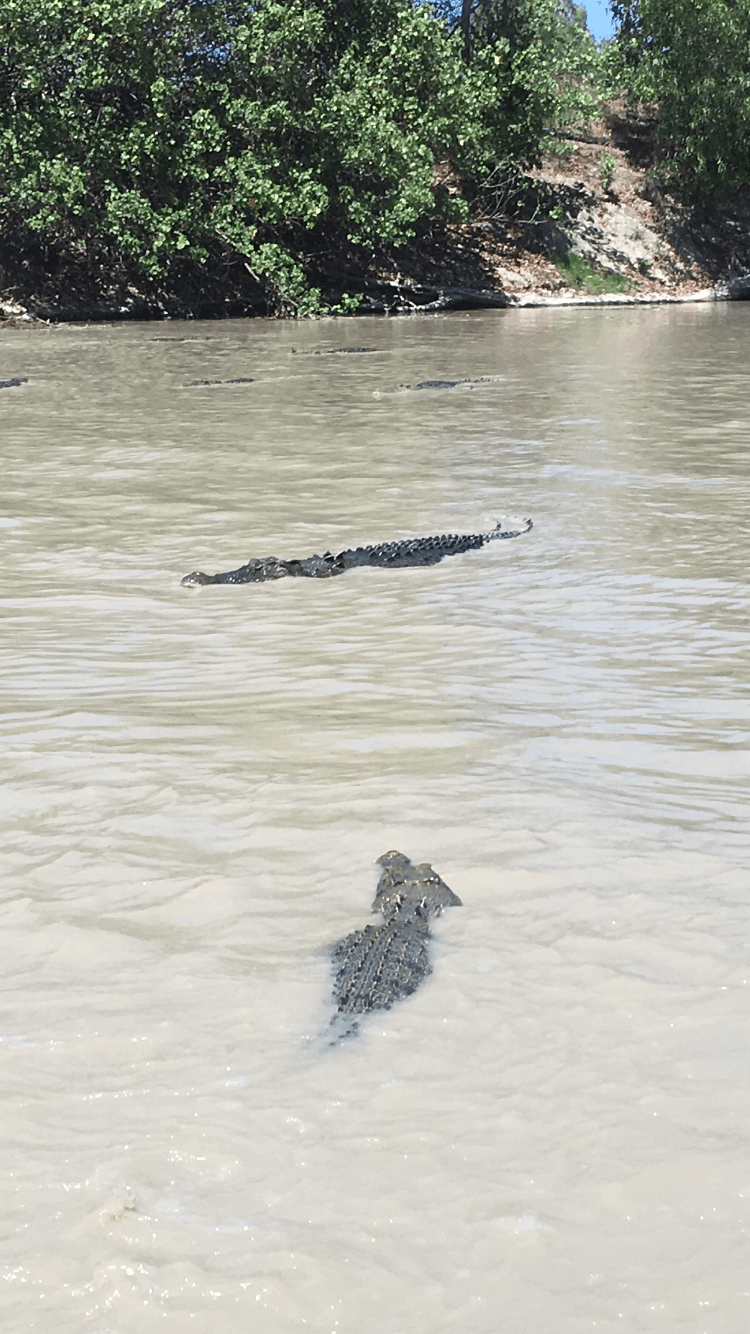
(580, 273)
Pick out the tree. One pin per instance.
(694, 59)
(546, 39)
(156, 133)
(158, 129)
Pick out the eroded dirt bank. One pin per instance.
(589, 226)
(593, 217)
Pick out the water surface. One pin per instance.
(552, 1134)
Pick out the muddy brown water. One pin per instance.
(552, 1134)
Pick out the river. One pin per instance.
(551, 1135)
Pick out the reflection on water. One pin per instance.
(552, 1133)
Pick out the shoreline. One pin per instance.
(407, 303)
(590, 226)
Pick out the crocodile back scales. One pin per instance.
(384, 963)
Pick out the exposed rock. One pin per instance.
(593, 198)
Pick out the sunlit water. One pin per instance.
(551, 1136)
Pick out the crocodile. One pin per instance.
(441, 384)
(333, 351)
(389, 555)
(202, 384)
(379, 965)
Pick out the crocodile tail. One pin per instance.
(508, 528)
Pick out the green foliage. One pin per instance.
(580, 273)
(694, 59)
(573, 61)
(557, 63)
(156, 130)
(607, 171)
(153, 133)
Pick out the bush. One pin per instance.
(580, 273)
(694, 59)
(155, 133)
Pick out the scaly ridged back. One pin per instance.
(378, 966)
(382, 964)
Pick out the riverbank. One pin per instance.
(598, 228)
(590, 226)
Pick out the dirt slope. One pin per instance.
(593, 198)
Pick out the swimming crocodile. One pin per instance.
(382, 964)
(389, 555)
(333, 351)
(212, 384)
(441, 384)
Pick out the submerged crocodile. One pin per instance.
(333, 351)
(389, 555)
(212, 384)
(382, 964)
(441, 384)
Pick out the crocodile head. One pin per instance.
(411, 891)
(196, 578)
